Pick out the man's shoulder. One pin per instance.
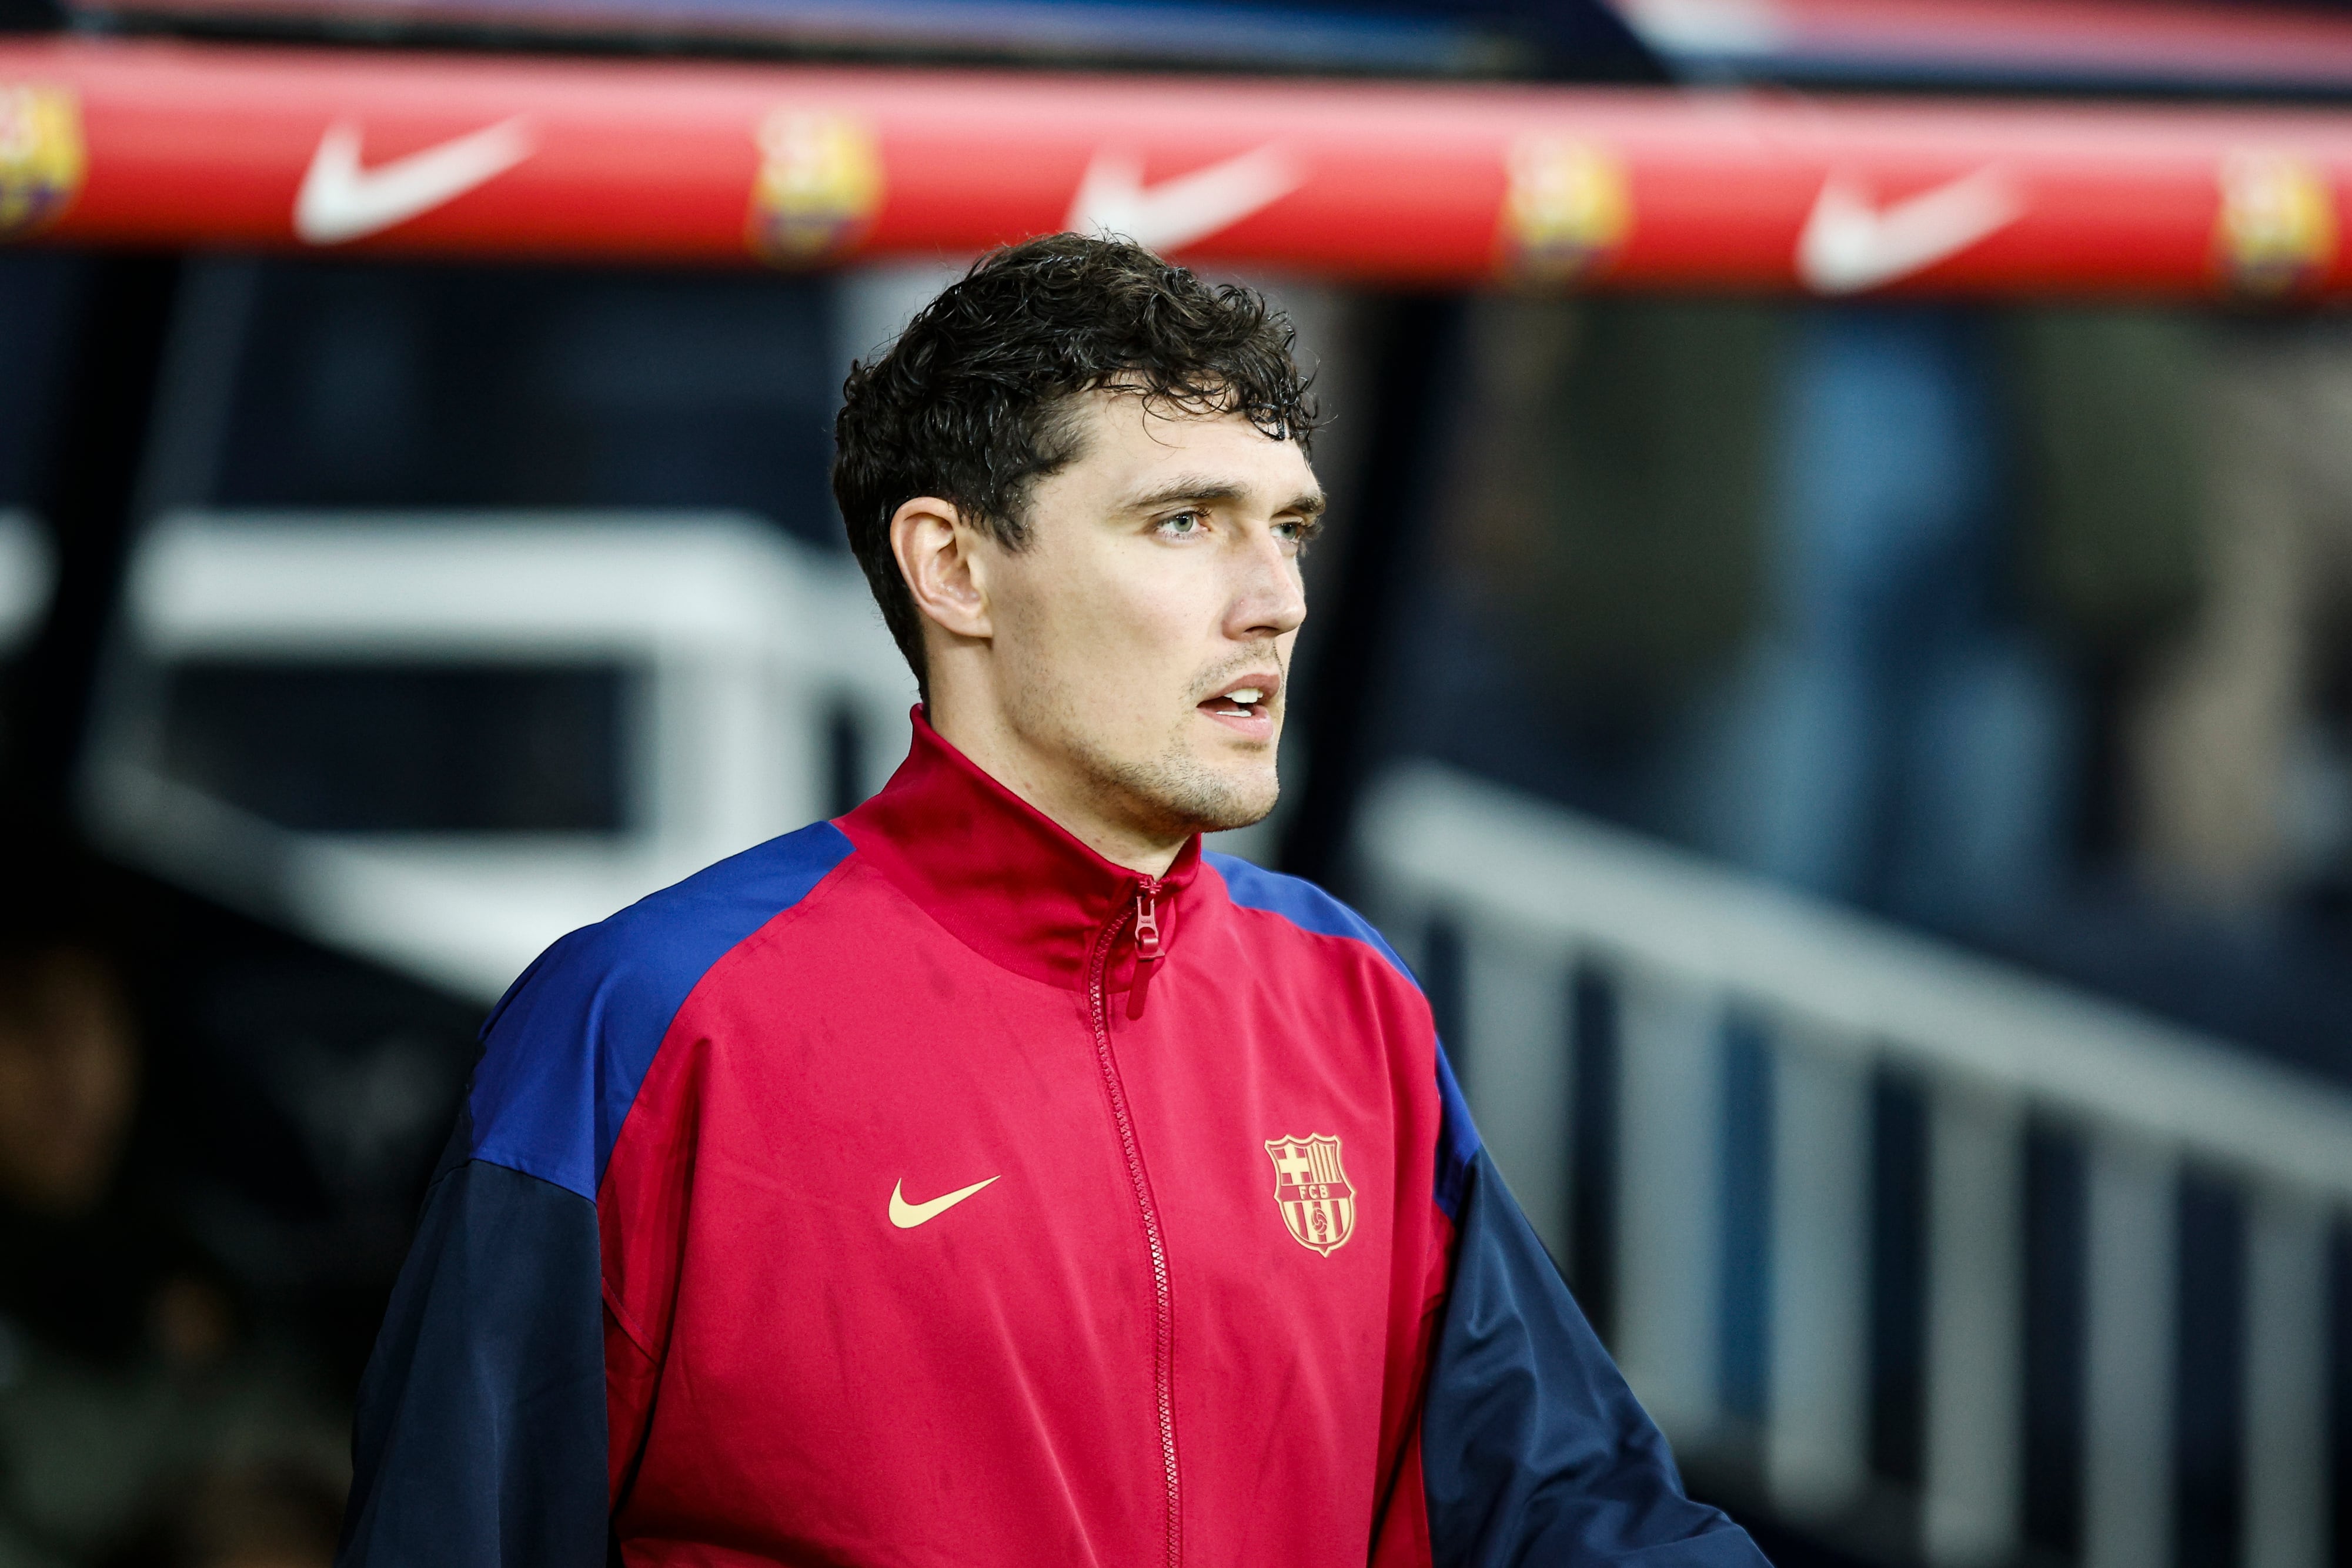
(725, 901)
(567, 1046)
(665, 942)
(1302, 905)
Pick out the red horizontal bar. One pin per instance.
(110, 142)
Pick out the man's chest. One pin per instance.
(954, 1210)
(973, 1143)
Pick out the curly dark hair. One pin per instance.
(973, 402)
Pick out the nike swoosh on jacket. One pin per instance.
(1245, 1289)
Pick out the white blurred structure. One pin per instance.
(1536, 892)
(745, 646)
(26, 575)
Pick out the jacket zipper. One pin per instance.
(1147, 897)
(1147, 922)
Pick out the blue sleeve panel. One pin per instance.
(480, 1438)
(1534, 1452)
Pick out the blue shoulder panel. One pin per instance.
(1533, 1449)
(565, 1050)
(1301, 903)
(1310, 908)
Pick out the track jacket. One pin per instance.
(922, 1188)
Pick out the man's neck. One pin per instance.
(1049, 785)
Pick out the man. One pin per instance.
(990, 1176)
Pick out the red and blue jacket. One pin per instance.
(922, 1188)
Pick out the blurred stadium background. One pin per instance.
(1833, 665)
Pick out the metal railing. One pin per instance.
(1534, 896)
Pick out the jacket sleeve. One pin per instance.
(480, 1441)
(1534, 1452)
(483, 1438)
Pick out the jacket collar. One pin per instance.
(1005, 879)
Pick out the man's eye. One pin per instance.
(1182, 525)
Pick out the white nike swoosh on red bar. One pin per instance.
(342, 201)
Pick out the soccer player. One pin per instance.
(990, 1176)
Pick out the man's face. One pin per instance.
(1143, 632)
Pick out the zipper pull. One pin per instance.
(1147, 922)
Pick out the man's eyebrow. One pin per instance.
(1307, 503)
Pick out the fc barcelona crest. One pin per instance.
(819, 186)
(1312, 1191)
(42, 159)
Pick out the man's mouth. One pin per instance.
(1251, 697)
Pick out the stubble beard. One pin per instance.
(1167, 797)
(1176, 795)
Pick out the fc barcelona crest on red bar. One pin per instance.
(1312, 1191)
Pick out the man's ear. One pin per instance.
(938, 554)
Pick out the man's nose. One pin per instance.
(1269, 598)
